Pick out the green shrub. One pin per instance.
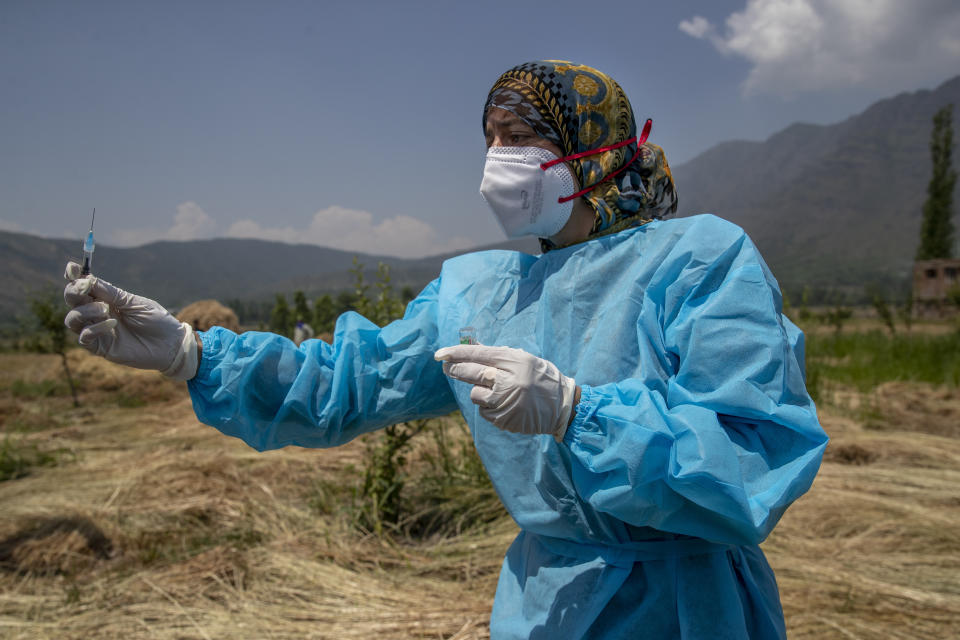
(445, 493)
(453, 493)
(449, 492)
(384, 475)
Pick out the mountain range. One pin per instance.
(834, 208)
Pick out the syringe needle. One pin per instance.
(88, 247)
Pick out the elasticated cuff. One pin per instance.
(211, 351)
(584, 409)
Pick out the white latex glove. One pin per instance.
(515, 390)
(126, 328)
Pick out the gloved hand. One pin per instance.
(515, 390)
(128, 329)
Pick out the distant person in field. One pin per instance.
(637, 397)
(302, 331)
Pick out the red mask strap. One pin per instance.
(592, 152)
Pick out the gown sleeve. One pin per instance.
(720, 446)
(263, 389)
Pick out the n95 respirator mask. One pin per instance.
(527, 198)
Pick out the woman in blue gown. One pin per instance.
(637, 398)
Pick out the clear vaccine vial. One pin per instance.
(468, 335)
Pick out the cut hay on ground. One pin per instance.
(160, 527)
(94, 374)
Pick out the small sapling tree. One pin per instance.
(49, 315)
(883, 311)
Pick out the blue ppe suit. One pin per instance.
(693, 434)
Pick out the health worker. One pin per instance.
(637, 396)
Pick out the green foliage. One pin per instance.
(384, 475)
(251, 312)
(360, 301)
(445, 494)
(31, 422)
(953, 296)
(936, 230)
(346, 301)
(814, 377)
(452, 489)
(905, 311)
(836, 317)
(324, 314)
(281, 319)
(883, 311)
(49, 314)
(865, 360)
(454, 493)
(805, 314)
(130, 401)
(301, 310)
(387, 307)
(17, 458)
(41, 389)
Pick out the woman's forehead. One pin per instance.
(498, 116)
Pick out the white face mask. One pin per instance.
(524, 197)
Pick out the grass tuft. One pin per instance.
(868, 359)
(40, 389)
(18, 457)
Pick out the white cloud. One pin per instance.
(355, 230)
(698, 27)
(336, 227)
(190, 222)
(811, 45)
(9, 225)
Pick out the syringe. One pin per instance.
(88, 246)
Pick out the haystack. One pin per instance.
(204, 314)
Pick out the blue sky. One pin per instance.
(356, 125)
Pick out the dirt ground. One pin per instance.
(142, 523)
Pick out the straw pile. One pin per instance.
(203, 314)
(162, 528)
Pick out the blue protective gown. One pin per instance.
(693, 433)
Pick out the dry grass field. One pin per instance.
(125, 518)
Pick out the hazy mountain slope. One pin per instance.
(176, 273)
(830, 206)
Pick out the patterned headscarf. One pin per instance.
(578, 109)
